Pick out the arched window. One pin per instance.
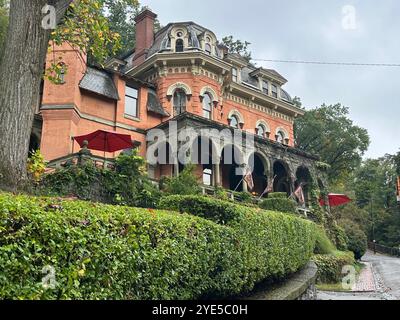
(261, 131)
(179, 45)
(280, 137)
(179, 102)
(208, 48)
(207, 106)
(234, 122)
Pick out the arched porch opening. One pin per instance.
(303, 177)
(204, 155)
(259, 167)
(164, 159)
(282, 180)
(231, 163)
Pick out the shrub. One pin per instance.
(357, 240)
(330, 265)
(185, 184)
(273, 244)
(340, 237)
(111, 252)
(127, 184)
(279, 202)
(36, 166)
(323, 245)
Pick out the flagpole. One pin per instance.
(238, 184)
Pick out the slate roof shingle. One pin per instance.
(100, 82)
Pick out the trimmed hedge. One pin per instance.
(323, 244)
(112, 252)
(278, 203)
(272, 244)
(330, 265)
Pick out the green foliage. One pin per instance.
(128, 184)
(86, 29)
(323, 245)
(3, 24)
(279, 202)
(339, 236)
(274, 195)
(112, 252)
(328, 132)
(357, 240)
(185, 184)
(237, 46)
(330, 265)
(243, 197)
(36, 166)
(272, 244)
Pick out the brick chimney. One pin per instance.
(144, 35)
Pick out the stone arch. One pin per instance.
(236, 113)
(211, 92)
(232, 165)
(265, 124)
(303, 176)
(283, 130)
(179, 85)
(282, 177)
(260, 167)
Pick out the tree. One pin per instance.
(328, 132)
(83, 26)
(237, 46)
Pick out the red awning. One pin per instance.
(335, 200)
(107, 141)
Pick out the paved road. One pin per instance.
(387, 277)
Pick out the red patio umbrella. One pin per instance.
(107, 141)
(335, 200)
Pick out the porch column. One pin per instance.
(217, 174)
(176, 168)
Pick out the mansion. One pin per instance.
(180, 73)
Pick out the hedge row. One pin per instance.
(100, 251)
(330, 265)
(272, 244)
(111, 252)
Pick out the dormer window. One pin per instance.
(179, 45)
(234, 75)
(208, 48)
(265, 87)
(274, 91)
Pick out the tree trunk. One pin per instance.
(21, 70)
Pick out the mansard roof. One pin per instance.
(100, 82)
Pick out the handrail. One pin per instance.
(384, 249)
(75, 158)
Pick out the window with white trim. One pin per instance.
(179, 101)
(131, 102)
(234, 75)
(274, 91)
(207, 106)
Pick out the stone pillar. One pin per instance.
(217, 174)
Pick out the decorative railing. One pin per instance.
(384, 249)
(79, 158)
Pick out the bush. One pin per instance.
(340, 237)
(330, 265)
(323, 245)
(357, 240)
(185, 184)
(112, 252)
(273, 244)
(279, 202)
(127, 184)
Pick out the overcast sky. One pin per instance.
(316, 30)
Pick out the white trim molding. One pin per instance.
(179, 85)
(236, 113)
(264, 124)
(211, 92)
